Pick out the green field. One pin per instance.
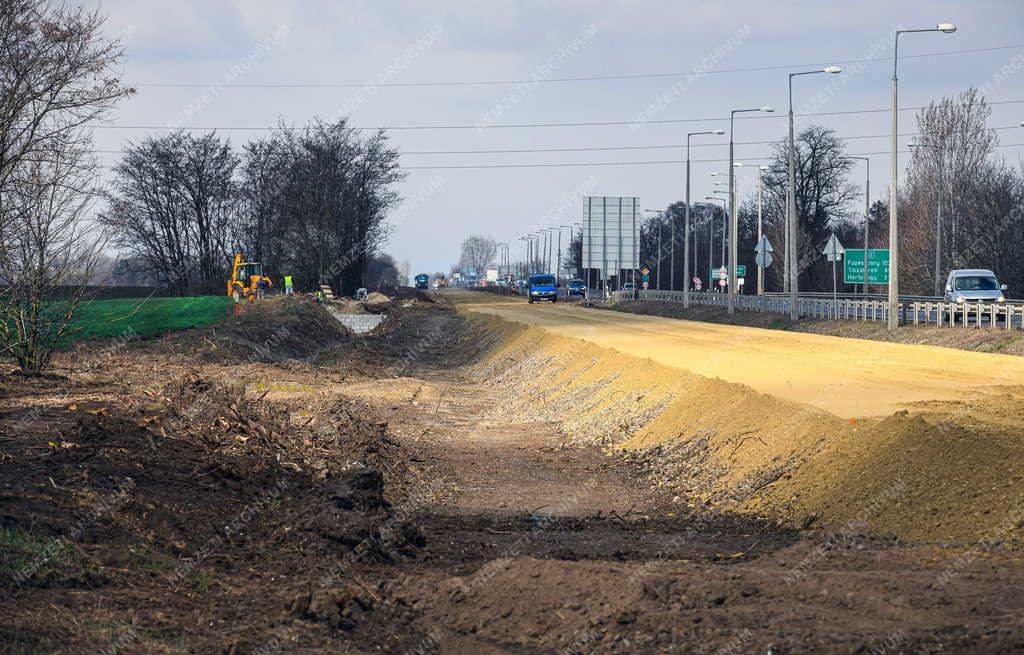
(100, 319)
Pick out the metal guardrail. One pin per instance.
(912, 311)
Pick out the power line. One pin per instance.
(535, 125)
(556, 80)
(645, 163)
(615, 148)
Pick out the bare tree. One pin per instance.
(173, 202)
(956, 146)
(56, 77)
(50, 247)
(477, 253)
(823, 200)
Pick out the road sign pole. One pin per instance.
(835, 298)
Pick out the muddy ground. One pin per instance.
(275, 485)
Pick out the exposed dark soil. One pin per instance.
(205, 493)
(983, 339)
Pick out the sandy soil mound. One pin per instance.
(940, 471)
(377, 303)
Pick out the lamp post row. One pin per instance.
(791, 254)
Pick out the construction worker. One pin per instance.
(288, 288)
(261, 288)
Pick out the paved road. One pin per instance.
(848, 377)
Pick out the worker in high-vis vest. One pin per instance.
(288, 288)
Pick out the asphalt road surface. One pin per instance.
(848, 377)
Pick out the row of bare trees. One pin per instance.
(307, 202)
(56, 78)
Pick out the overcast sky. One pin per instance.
(220, 46)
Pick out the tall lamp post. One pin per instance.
(894, 242)
(760, 221)
(711, 236)
(792, 247)
(558, 266)
(734, 210)
(551, 249)
(938, 216)
(686, 229)
(867, 216)
(527, 240)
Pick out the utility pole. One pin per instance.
(792, 246)
(760, 223)
(686, 228)
(734, 210)
(894, 241)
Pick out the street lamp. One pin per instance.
(558, 267)
(686, 229)
(725, 206)
(791, 255)
(551, 248)
(867, 216)
(760, 222)
(733, 209)
(938, 217)
(525, 268)
(894, 242)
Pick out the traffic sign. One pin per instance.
(764, 251)
(646, 271)
(646, 277)
(719, 273)
(646, 283)
(833, 249)
(878, 266)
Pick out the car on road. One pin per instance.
(576, 287)
(542, 287)
(973, 285)
(629, 290)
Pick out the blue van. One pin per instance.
(542, 287)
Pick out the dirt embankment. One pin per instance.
(938, 471)
(397, 493)
(986, 340)
(176, 482)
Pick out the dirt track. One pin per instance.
(490, 535)
(851, 378)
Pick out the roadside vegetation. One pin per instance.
(130, 317)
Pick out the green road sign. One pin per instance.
(878, 266)
(647, 278)
(741, 271)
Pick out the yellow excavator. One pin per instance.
(246, 277)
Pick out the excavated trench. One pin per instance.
(937, 471)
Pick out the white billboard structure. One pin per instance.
(611, 239)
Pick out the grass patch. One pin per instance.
(24, 556)
(129, 317)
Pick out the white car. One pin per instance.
(973, 285)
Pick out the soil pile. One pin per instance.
(986, 340)
(187, 493)
(939, 471)
(377, 303)
(271, 330)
